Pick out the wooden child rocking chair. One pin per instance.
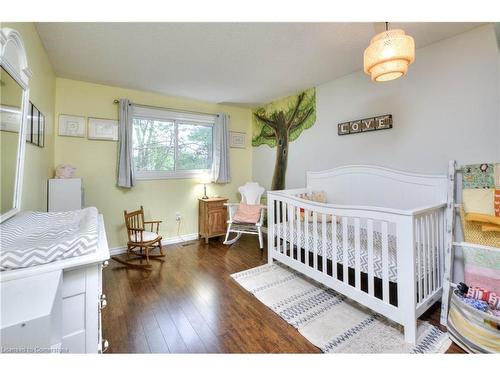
(140, 241)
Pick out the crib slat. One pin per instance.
(418, 244)
(424, 254)
(345, 255)
(315, 240)
(357, 253)
(290, 229)
(385, 263)
(334, 247)
(285, 229)
(272, 228)
(440, 248)
(428, 255)
(278, 226)
(306, 236)
(434, 244)
(431, 240)
(299, 234)
(323, 243)
(369, 238)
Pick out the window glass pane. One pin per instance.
(153, 145)
(194, 146)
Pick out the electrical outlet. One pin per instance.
(178, 216)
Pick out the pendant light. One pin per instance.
(389, 55)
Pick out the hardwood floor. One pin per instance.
(190, 304)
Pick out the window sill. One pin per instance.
(179, 175)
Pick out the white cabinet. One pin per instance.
(64, 194)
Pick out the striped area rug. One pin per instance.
(332, 322)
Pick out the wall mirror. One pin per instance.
(14, 99)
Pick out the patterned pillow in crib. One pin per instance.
(315, 196)
(478, 176)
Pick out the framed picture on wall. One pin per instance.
(41, 130)
(29, 130)
(237, 140)
(71, 126)
(102, 129)
(35, 126)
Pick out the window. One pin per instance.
(169, 144)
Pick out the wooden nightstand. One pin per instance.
(212, 217)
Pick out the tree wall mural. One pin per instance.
(278, 123)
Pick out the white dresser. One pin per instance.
(64, 194)
(81, 297)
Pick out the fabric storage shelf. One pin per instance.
(473, 330)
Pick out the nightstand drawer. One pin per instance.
(217, 205)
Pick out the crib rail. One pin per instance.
(368, 255)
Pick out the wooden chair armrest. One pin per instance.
(152, 223)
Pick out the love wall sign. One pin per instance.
(365, 125)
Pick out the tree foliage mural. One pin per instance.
(281, 122)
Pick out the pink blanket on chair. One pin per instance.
(248, 213)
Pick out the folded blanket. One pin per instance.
(480, 201)
(488, 219)
(490, 228)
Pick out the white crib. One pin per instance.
(389, 225)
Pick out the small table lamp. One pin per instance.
(205, 179)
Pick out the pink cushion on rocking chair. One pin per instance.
(248, 213)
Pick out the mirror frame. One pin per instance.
(13, 60)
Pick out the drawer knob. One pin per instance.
(104, 345)
(105, 264)
(103, 302)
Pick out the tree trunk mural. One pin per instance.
(280, 123)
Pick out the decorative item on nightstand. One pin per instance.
(212, 217)
(205, 179)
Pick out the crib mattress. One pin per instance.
(34, 238)
(377, 246)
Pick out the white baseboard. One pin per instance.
(164, 242)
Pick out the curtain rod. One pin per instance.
(116, 101)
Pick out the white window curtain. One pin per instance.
(126, 173)
(220, 165)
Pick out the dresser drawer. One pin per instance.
(73, 282)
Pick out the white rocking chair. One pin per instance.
(251, 193)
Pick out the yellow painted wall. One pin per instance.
(96, 160)
(39, 162)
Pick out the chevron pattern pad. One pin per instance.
(33, 238)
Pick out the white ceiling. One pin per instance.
(240, 63)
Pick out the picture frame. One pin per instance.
(35, 125)
(102, 129)
(29, 125)
(237, 139)
(41, 131)
(71, 126)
